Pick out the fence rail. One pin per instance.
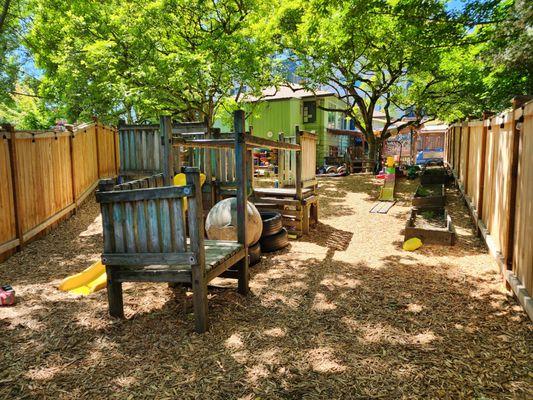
(46, 175)
(492, 160)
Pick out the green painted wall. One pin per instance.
(284, 115)
(276, 116)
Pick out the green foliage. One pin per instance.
(26, 111)
(378, 54)
(196, 59)
(140, 58)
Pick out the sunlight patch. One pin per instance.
(234, 342)
(323, 360)
(275, 332)
(321, 303)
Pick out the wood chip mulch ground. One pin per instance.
(344, 313)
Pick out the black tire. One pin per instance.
(275, 242)
(254, 251)
(272, 223)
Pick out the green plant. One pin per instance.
(428, 214)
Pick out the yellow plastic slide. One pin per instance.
(94, 278)
(87, 281)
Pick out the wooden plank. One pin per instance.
(146, 259)
(46, 223)
(164, 226)
(255, 141)
(154, 275)
(196, 234)
(6, 246)
(166, 149)
(242, 197)
(129, 224)
(118, 227)
(168, 192)
(177, 219)
(18, 210)
(25, 134)
(86, 194)
(204, 143)
(227, 263)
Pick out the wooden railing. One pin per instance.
(46, 175)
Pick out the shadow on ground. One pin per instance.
(313, 327)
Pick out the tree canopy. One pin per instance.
(135, 59)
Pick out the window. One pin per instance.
(333, 151)
(309, 112)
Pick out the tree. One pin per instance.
(139, 58)
(375, 54)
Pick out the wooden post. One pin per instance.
(98, 157)
(459, 151)
(165, 131)
(73, 170)
(517, 147)
(196, 234)
(484, 134)
(467, 155)
(298, 177)
(208, 171)
(250, 163)
(17, 195)
(242, 206)
(116, 147)
(281, 163)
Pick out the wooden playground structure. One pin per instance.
(214, 154)
(149, 235)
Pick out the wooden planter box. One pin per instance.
(436, 197)
(433, 176)
(430, 233)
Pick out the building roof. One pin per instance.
(434, 128)
(294, 91)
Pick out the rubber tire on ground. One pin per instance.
(331, 169)
(254, 251)
(272, 223)
(275, 242)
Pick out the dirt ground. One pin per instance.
(344, 313)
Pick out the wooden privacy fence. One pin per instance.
(45, 175)
(492, 160)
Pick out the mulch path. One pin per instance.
(344, 313)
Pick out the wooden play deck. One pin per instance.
(281, 192)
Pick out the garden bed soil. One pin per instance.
(430, 226)
(429, 196)
(433, 176)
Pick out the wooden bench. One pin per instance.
(145, 240)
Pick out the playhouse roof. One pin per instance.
(292, 91)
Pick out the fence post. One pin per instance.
(17, 195)
(482, 165)
(517, 102)
(467, 155)
(73, 169)
(98, 157)
(116, 150)
(242, 195)
(165, 127)
(281, 163)
(298, 177)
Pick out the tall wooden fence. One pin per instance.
(492, 160)
(45, 175)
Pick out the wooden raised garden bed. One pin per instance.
(433, 176)
(429, 196)
(430, 226)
